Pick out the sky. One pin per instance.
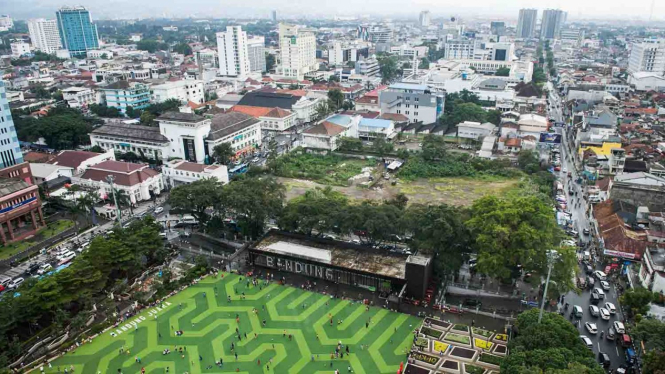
(503, 9)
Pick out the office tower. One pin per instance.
(498, 28)
(526, 23)
(274, 16)
(424, 18)
(298, 51)
(232, 50)
(550, 26)
(647, 56)
(10, 150)
(6, 22)
(44, 35)
(256, 52)
(77, 32)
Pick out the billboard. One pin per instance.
(550, 137)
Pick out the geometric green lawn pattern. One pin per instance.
(208, 323)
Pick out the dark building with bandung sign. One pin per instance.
(344, 263)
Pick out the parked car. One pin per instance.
(595, 299)
(158, 210)
(612, 309)
(605, 285)
(32, 268)
(619, 327)
(472, 303)
(577, 311)
(600, 275)
(591, 328)
(586, 341)
(593, 310)
(16, 283)
(605, 314)
(44, 268)
(586, 231)
(598, 292)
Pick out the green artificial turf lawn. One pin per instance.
(209, 322)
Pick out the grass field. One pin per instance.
(453, 191)
(52, 229)
(208, 322)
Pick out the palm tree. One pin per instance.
(86, 203)
(124, 201)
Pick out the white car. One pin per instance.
(158, 210)
(605, 285)
(599, 292)
(15, 283)
(593, 310)
(564, 170)
(44, 268)
(591, 328)
(600, 275)
(619, 327)
(605, 314)
(65, 259)
(64, 254)
(586, 341)
(611, 308)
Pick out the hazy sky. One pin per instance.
(113, 9)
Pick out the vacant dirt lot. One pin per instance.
(453, 191)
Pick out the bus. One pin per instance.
(238, 169)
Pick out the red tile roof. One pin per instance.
(254, 111)
(72, 159)
(125, 173)
(325, 128)
(368, 100)
(278, 113)
(615, 234)
(514, 142)
(394, 117)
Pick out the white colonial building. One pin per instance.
(138, 181)
(182, 90)
(178, 172)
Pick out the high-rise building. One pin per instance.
(526, 23)
(298, 51)
(78, 34)
(10, 150)
(20, 48)
(274, 16)
(256, 52)
(6, 22)
(44, 35)
(550, 26)
(424, 18)
(232, 50)
(647, 56)
(498, 28)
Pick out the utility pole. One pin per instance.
(111, 179)
(551, 257)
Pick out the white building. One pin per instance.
(233, 52)
(463, 49)
(278, 119)
(6, 22)
(182, 90)
(179, 172)
(652, 267)
(371, 128)
(369, 67)
(242, 131)
(424, 19)
(99, 53)
(526, 23)
(20, 48)
(77, 97)
(326, 135)
(408, 51)
(138, 181)
(532, 124)
(647, 56)
(416, 101)
(47, 172)
(44, 35)
(297, 52)
(474, 130)
(256, 52)
(117, 136)
(135, 37)
(79, 161)
(646, 81)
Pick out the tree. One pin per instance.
(223, 153)
(197, 197)
(381, 147)
(424, 63)
(512, 231)
(466, 112)
(438, 230)
(183, 48)
(104, 111)
(637, 300)
(322, 110)
(503, 71)
(528, 161)
(316, 210)
(131, 112)
(270, 61)
(335, 99)
(349, 144)
(96, 149)
(61, 128)
(151, 46)
(372, 222)
(434, 147)
(654, 362)
(493, 116)
(254, 200)
(551, 346)
(147, 118)
(388, 69)
(651, 332)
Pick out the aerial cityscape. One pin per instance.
(376, 187)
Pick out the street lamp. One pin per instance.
(111, 179)
(551, 257)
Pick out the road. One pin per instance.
(578, 209)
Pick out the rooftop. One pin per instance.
(8, 186)
(325, 128)
(335, 253)
(128, 131)
(409, 86)
(41, 170)
(72, 159)
(269, 100)
(225, 124)
(180, 117)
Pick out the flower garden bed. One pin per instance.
(473, 369)
(412, 369)
(438, 346)
(457, 338)
(500, 349)
(431, 332)
(460, 328)
(485, 333)
(489, 359)
(422, 343)
(463, 353)
(483, 344)
(425, 359)
(437, 323)
(450, 366)
(500, 338)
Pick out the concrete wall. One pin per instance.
(652, 197)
